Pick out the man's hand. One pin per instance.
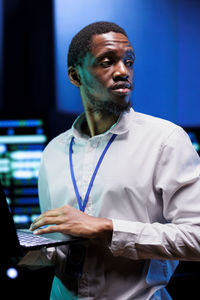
(69, 220)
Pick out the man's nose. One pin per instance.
(120, 72)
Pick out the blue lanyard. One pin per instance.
(79, 200)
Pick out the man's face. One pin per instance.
(107, 73)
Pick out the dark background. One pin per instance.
(28, 89)
(28, 86)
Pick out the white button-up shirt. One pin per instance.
(148, 184)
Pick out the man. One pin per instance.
(127, 182)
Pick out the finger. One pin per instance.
(49, 229)
(45, 221)
(50, 213)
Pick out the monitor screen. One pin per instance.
(21, 146)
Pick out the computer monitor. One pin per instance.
(21, 144)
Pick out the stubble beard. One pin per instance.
(107, 106)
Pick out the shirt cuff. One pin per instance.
(123, 239)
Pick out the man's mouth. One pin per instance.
(122, 88)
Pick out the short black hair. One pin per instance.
(81, 42)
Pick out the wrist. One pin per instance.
(106, 229)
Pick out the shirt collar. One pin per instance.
(120, 127)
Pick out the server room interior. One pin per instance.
(28, 91)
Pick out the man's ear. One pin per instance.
(74, 76)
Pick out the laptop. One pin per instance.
(17, 242)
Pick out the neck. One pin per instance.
(98, 122)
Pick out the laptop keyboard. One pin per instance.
(29, 239)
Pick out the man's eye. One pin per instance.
(106, 63)
(129, 63)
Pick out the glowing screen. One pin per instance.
(21, 146)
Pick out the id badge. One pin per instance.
(75, 260)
